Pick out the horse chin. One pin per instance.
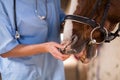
(86, 53)
(89, 53)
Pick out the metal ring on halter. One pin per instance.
(93, 41)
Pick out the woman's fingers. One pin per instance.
(53, 48)
(57, 54)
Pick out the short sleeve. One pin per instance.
(7, 41)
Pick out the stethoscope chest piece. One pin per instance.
(17, 35)
(42, 17)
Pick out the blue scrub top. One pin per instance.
(33, 31)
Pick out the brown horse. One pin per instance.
(88, 25)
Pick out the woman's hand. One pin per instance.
(53, 49)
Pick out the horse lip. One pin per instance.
(72, 51)
(69, 50)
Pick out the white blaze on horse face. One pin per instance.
(67, 30)
(73, 6)
(67, 33)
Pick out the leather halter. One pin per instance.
(89, 21)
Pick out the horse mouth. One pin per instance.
(68, 45)
(85, 52)
(67, 49)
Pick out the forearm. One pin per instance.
(29, 50)
(25, 50)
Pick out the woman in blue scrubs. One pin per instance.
(34, 54)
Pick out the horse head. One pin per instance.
(89, 24)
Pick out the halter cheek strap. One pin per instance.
(112, 36)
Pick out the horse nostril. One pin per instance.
(74, 39)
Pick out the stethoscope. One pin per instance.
(17, 34)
